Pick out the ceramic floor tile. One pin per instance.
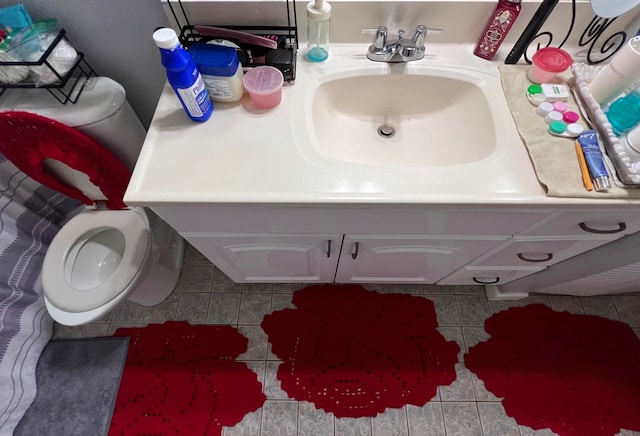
(528, 431)
(461, 419)
(193, 307)
(224, 308)
(473, 336)
(561, 303)
(474, 309)
(192, 255)
(64, 331)
(257, 347)
(222, 283)
(195, 278)
(499, 306)
(257, 287)
(495, 421)
(353, 427)
(469, 289)
(534, 299)
(128, 312)
(314, 422)
(437, 289)
(408, 289)
(281, 301)
(285, 288)
(392, 422)
(461, 389)
(446, 310)
(380, 288)
(601, 306)
(272, 387)
(165, 311)
(280, 418)
(249, 426)
(426, 420)
(253, 307)
(92, 330)
(628, 307)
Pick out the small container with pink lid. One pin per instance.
(264, 85)
(547, 63)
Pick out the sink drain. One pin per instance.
(386, 131)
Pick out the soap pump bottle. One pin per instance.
(497, 28)
(318, 18)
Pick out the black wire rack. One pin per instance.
(251, 56)
(67, 87)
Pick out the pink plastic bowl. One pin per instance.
(547, 63)
(264, 85)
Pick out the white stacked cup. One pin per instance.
(622, 71)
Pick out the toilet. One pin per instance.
(106, 252)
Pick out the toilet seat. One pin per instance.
(71, 237)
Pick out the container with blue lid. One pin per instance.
(221, 70)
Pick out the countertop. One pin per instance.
(245, 155)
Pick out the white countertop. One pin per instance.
(245, 155)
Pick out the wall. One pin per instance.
(115, 36)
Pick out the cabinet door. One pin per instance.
(273, 259)
(606, 223)
(406, 259)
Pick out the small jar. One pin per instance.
(221, 71)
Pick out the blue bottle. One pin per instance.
(183, 75)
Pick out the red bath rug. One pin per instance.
(355, 352)
(574, 374)
(184, 379)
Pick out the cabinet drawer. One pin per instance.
(528, 252)
(612, 223)
(481, 275)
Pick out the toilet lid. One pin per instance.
(27, 139)
(64, 250)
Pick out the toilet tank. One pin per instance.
(101, 111)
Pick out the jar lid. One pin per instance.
(552, 59)
(214, 59)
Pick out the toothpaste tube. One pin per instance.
(588, 141)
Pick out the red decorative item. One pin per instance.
(27, 139)
(184, 379)
(573, 374)
(354, 352)
(497, 28)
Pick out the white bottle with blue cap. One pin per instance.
(318, 19)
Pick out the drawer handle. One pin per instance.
(356, 248)
(621, 228)
(481, 282)
(526, 259)
(328, 247)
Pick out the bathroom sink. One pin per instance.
(403, 120)
(406, 117)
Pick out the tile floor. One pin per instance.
(205, 295)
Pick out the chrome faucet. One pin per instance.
(400, 50)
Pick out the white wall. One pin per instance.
(115, 36)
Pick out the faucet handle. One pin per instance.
(380, 38)
(422, 32)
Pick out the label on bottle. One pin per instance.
(497, 28)
(195, 98)
(218, 88)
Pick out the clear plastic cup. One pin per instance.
(264, 85)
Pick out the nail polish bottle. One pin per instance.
(497, 28)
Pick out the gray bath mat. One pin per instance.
(78, 381)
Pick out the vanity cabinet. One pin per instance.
(411, 259)
(420, 244)
(560, 236)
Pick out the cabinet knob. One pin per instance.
(486, 282)
(621, 228)
(547, 258)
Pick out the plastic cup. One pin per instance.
(547, 63)
(264, 85)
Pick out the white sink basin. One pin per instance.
(440, 118)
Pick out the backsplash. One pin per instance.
(462, 21)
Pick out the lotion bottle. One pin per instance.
(318, 18)
(497, 28)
